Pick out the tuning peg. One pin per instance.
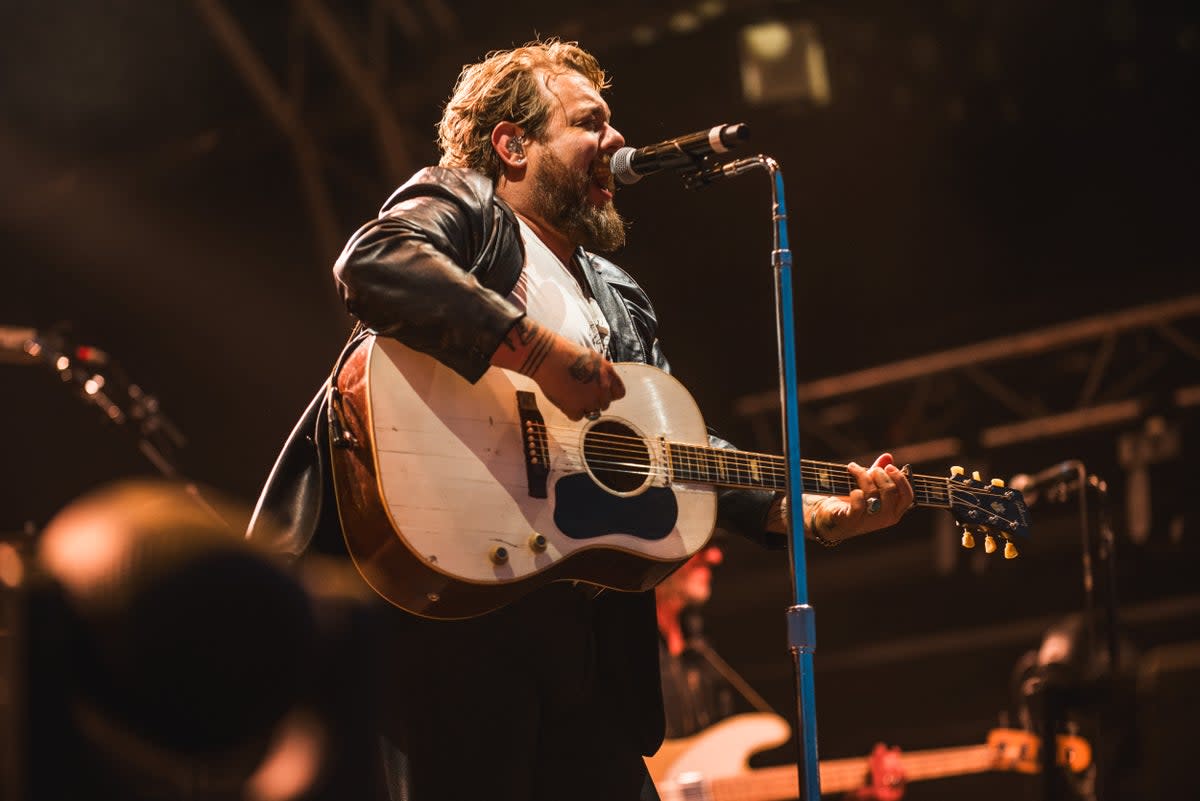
(997, 482)
(975, 475)
(957, 471)
(1010, 550)
(968, 539)
(989, 544)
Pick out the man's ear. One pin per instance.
(509, 143)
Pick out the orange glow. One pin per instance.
(12, 569)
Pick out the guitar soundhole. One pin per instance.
(616, 456)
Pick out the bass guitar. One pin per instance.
(457, 498)
(714, 764)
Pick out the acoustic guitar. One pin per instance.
(457, 498)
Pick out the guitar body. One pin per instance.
(723, 749)
(457, 498)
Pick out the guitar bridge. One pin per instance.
(534, 442)
(665, 476)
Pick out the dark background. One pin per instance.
(983, 170)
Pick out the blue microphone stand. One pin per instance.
(801, 623)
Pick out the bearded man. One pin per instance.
(487, 261)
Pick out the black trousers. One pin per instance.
(512, 705)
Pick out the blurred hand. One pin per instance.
(887, 776)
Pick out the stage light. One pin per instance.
(783, 62)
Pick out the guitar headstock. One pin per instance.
(989, 509)
(1014, 749)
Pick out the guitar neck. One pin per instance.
(841, 775)
(729, 468)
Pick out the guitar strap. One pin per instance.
(296, 501)
(339, 436)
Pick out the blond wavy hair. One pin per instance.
(505, 87)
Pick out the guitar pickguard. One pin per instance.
(584, 510)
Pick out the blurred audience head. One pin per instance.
(171, 647)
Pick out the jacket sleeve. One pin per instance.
(415, 272)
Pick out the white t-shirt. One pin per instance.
(550, 294)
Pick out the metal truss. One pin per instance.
(1093, 373)
(357, 53)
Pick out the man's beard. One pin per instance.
(562, 199)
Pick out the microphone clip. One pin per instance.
(711, 170)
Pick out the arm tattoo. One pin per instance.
(525, 330)
(586, 368)
(538, 339)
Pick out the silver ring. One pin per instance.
(873, 505)
(593, 415)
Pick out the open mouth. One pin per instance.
(602, 178)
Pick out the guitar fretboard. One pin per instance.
(842, 775)
(730, 468)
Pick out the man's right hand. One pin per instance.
(573, 377)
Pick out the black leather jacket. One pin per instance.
(434, 270)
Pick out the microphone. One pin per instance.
(629, 165)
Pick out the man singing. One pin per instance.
(488, 261)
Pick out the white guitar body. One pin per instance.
(454, 479)
(683, 768)
(449, 463)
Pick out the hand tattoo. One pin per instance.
(586, 368)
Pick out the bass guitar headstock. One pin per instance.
(990, 510)
(1020, 751)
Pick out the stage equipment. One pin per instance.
(1168, 697)
(99, 380)
(1074, 673)
(783, 61)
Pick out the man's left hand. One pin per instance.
(883, 495)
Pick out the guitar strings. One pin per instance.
(923, 494)
(715, 464)
(687, 452)
(815, 479)
(707, 464)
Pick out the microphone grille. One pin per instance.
(621, 166)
